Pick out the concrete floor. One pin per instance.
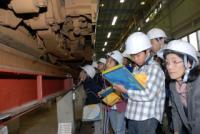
(86, 128)
(42, 121)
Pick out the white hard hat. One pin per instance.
(137, 42)
(102, 60)
(94, 64)
(159, 53)
(89, 69)
(116, 55)
(183, 47)
(156, 33)
(126, 55)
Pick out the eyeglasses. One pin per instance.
(158, 39)
(175, 63)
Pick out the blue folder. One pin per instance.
(121, 75)
(107, 92)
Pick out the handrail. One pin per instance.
(28, 107)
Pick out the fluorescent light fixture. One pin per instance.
(114, 20)
(103, 49)
(156, 11)
(160, 6)
(122, 1)
(105, 44)
(108, 36)
(151, 15)
(142, 3)
(139, 29)
(147, 19)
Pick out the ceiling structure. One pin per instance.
(56, 31)
(131, 15)
(68, 32)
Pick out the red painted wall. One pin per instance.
(53, 86)
(15, 92)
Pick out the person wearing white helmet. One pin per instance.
(101, 64)
(91, 89)
(116, 56)
(157, 37)
(182, 66)
(88, 70)
(94, 64)
(100, 67)
(127, 62)
(116, 113)
(145, 107)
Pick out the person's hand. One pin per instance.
(176, 132)
(100, 92)
(119, 88)
(82, 76)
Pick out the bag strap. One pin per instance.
(90, 92)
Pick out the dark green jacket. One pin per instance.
(192, 121)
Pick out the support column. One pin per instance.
(39, 88)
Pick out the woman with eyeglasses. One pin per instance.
(182, 63)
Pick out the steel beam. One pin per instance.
(15, 61)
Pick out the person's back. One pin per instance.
(91, 90)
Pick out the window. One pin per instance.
(184, 38)
(193, 40)
(198, 39)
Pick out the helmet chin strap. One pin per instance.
(187, 68)
(148, 58)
